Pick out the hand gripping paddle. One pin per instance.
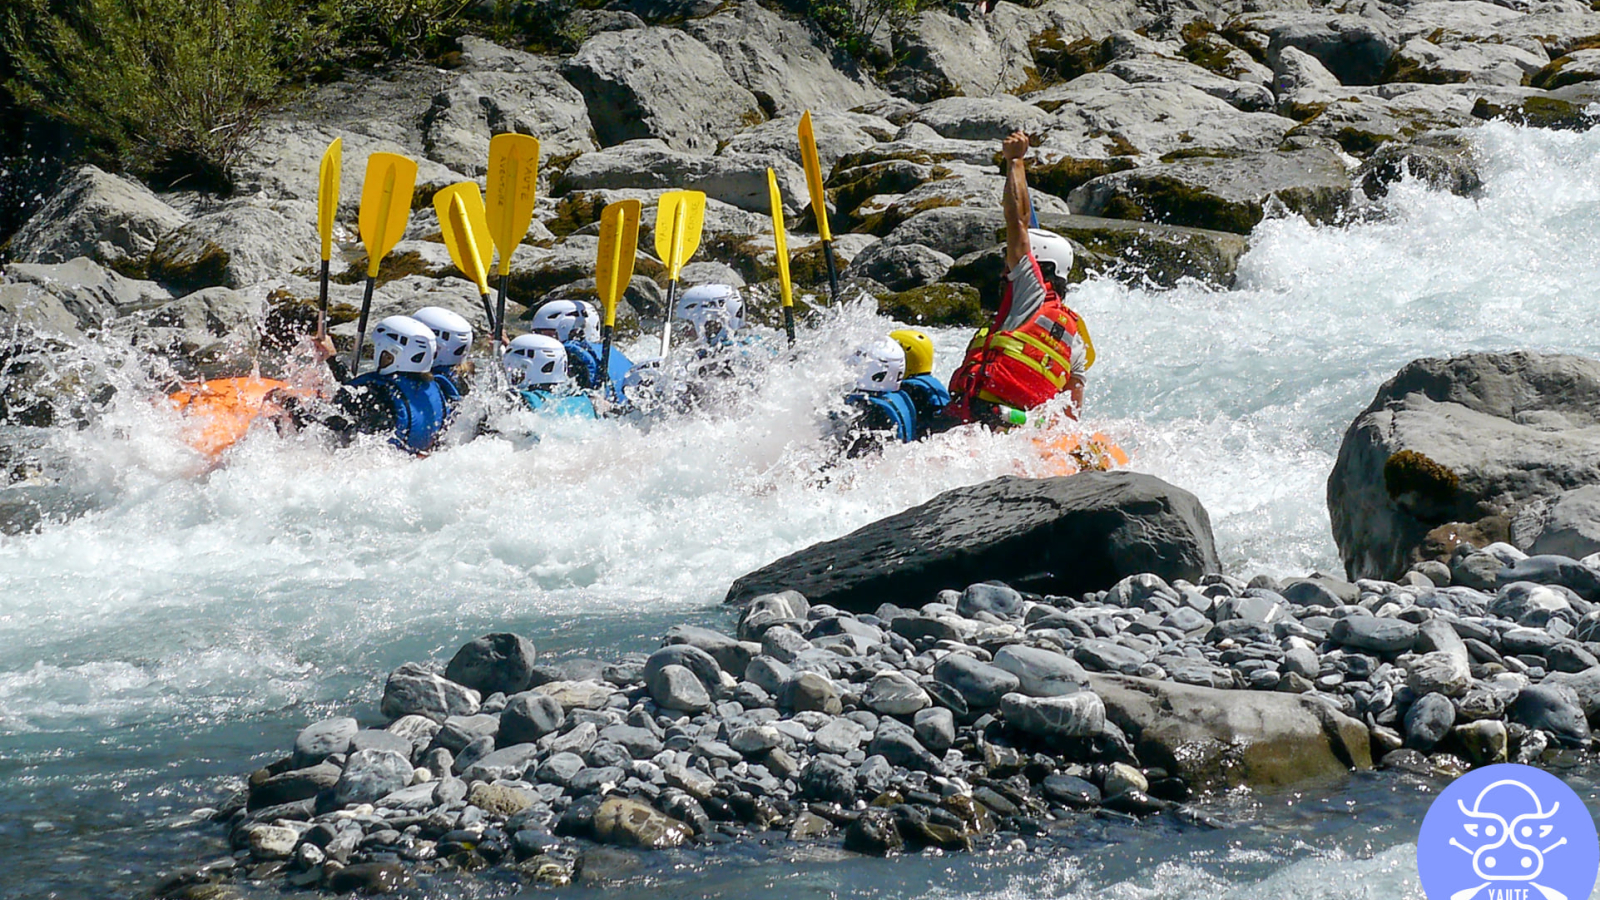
(613, 267)
(513, 181)
(327, 211)
(819, 201)
(781, 240)
(680, 215)
(385, 209)
(466, 233)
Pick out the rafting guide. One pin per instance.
(1508, 832)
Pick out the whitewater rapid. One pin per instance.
(192, 613)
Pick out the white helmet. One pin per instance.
(451, 332)
(1049, 247)
(880, 365)
(561, 316)
(591, 320)
(409, 343)
(535, 359)
(709, 303)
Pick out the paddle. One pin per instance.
(679, 217)
(466, 233)
(819, 201)
(613, 267)
(385, 209)
(327, 210)
(781, 240)
(513, 179)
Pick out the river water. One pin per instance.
(158, 647)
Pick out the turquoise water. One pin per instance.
(153, 650)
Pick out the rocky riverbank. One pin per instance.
(981, 718)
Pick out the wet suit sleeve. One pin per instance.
(356, 408)
(863, 430)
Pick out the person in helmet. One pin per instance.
(536, 365)
(928, 394)
(716, 313)
(1037, 347)
(453, 338)
(576, 324)
(878, 410)
(400, 398)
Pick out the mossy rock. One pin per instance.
(880, 224)
(1061, 177)
(1556, 75)
(1183, 203)
(189, 266)
(1537, 112)
(1145, 253)
(1415, 481)
(866, 182)
(1441, 542)
(1055, 56)
(575, 211)
(393, 267)
(950, 305)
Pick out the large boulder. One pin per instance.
(1053, 535)
(77, 295)
(1223, 194)
(109, 219)
(1355, 48)
(285, 159)
(207, 334)
(659, 82)
(238, 246)
(498, 90)
(738, 179)
(1227, 738)
(788, 63)
(1470, 442)
(1160, 253)
(498, 663)
(1108, 117)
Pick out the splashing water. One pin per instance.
(193, 620)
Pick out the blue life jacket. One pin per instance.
(583, 361)
(446, 376)
(929, 395)
(896, 406)
(419, 408)
(578, 406)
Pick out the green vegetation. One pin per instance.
(1410, 472)
(855, 24)
(173, 90)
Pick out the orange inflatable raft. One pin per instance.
(219, 411)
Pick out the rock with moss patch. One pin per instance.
(109, 219)
(1564, 109)
(238, 246)
(1455, 441)
(948, 305)
(1573, 68)
(1223, 194)
(1460, 62)
(738, 179)
(1139, 252)
(1443, 160)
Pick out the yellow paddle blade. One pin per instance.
(328, 194)
(385, 205)
(813, 167)
(679, 217)
(1088, 342)
(780, 237)
(466, 231)
(513, 179)
(619, 243)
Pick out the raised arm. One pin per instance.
(1017, 207)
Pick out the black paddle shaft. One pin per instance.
(788, 323)
(605, 354)
(488, 312)
(833, 273)
(322, 303)
(361, 325)
(499, 322)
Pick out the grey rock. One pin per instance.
(1101, 655)
(1071, 716)
(292, 786)
(935, 728)
(529, 716)
(639, 742)
(995, 599)
(459, 731)
(782, 644)
(371, 774)
(1555, 709)
(240, 245)
(413, 689)
(658, 82)
(94, 214)
(730, 654)
(675, 687)
(373, 739)
(630, 823)
(507, 762)
(1371, 633)
(1128, 523)
(894, 694)
(829, 781)
(472, 752)
(839, 737)
(900, 266)
(317, 741)
(768, 673)
(899, 745)
(810, 691)
(1041, 672)
(700, 663)
(786, 62)
(738, 179)
(1428, 720)
(418, 730)
(1439, 672)
(499, 663)
(980, 684)
(1070, 791)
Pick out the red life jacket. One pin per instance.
(1022, 367)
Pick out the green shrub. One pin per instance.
(855, 23)
(171, 89)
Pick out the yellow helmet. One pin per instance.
(919, 350)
